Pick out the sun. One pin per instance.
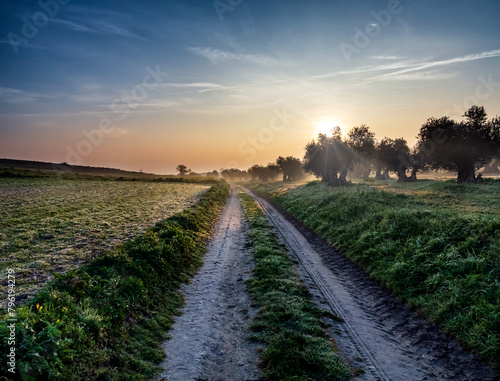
(325, 126)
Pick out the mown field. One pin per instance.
(434, 244)
(54, 225)
(106, 318)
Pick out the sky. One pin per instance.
(147, 85)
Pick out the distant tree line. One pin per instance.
(184, 171)
(463, 147)
(288, 168)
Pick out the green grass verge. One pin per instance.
(288, 322)
(106, 320)
(434, 244)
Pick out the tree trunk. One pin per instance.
(343, 175)
(330, 177)
(402, 176)
(366, 172)
(413, 176)
(466, 174)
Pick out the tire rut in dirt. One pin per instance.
(393, 342)
(209, 340)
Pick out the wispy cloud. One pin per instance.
(442, 63)
(106, 27)
(92, 113)
(368, 69)
(195, 85)
(18, 96)
(72, 25)
(28, 44)
(162, 104)
(404, 67)
(387, 58)
(119, 132)
(219, 56)
(96, 26)
(429, 75)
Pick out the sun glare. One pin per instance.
(325, 126)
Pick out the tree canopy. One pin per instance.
(290, 167)
(362, 141)
(394, 156)
(262, 173)
(461, 146)
(329, 158)
(182, 169)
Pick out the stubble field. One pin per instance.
(52, 225)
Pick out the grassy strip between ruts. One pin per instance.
(288, 322)
(106, 320)
(436, 245)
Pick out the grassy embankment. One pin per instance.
(63, 172)
(434, 244)
(106, 320)
(53, 225)
(288, 322)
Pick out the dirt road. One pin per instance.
(379, 334)
(209, 341)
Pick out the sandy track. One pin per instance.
(209, 341)
(379, 334)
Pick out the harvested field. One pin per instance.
(53, 225)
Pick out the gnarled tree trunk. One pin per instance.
(413, 176)
(402, 175)
(466, 174)
(343, 174)
(379, 175)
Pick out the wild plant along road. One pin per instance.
(378, 334)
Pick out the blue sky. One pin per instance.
(230, 74)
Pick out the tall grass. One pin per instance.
(106, 320)
(436, 246)
(288, 322)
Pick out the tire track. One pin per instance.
(379, 333)
(209, 340)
